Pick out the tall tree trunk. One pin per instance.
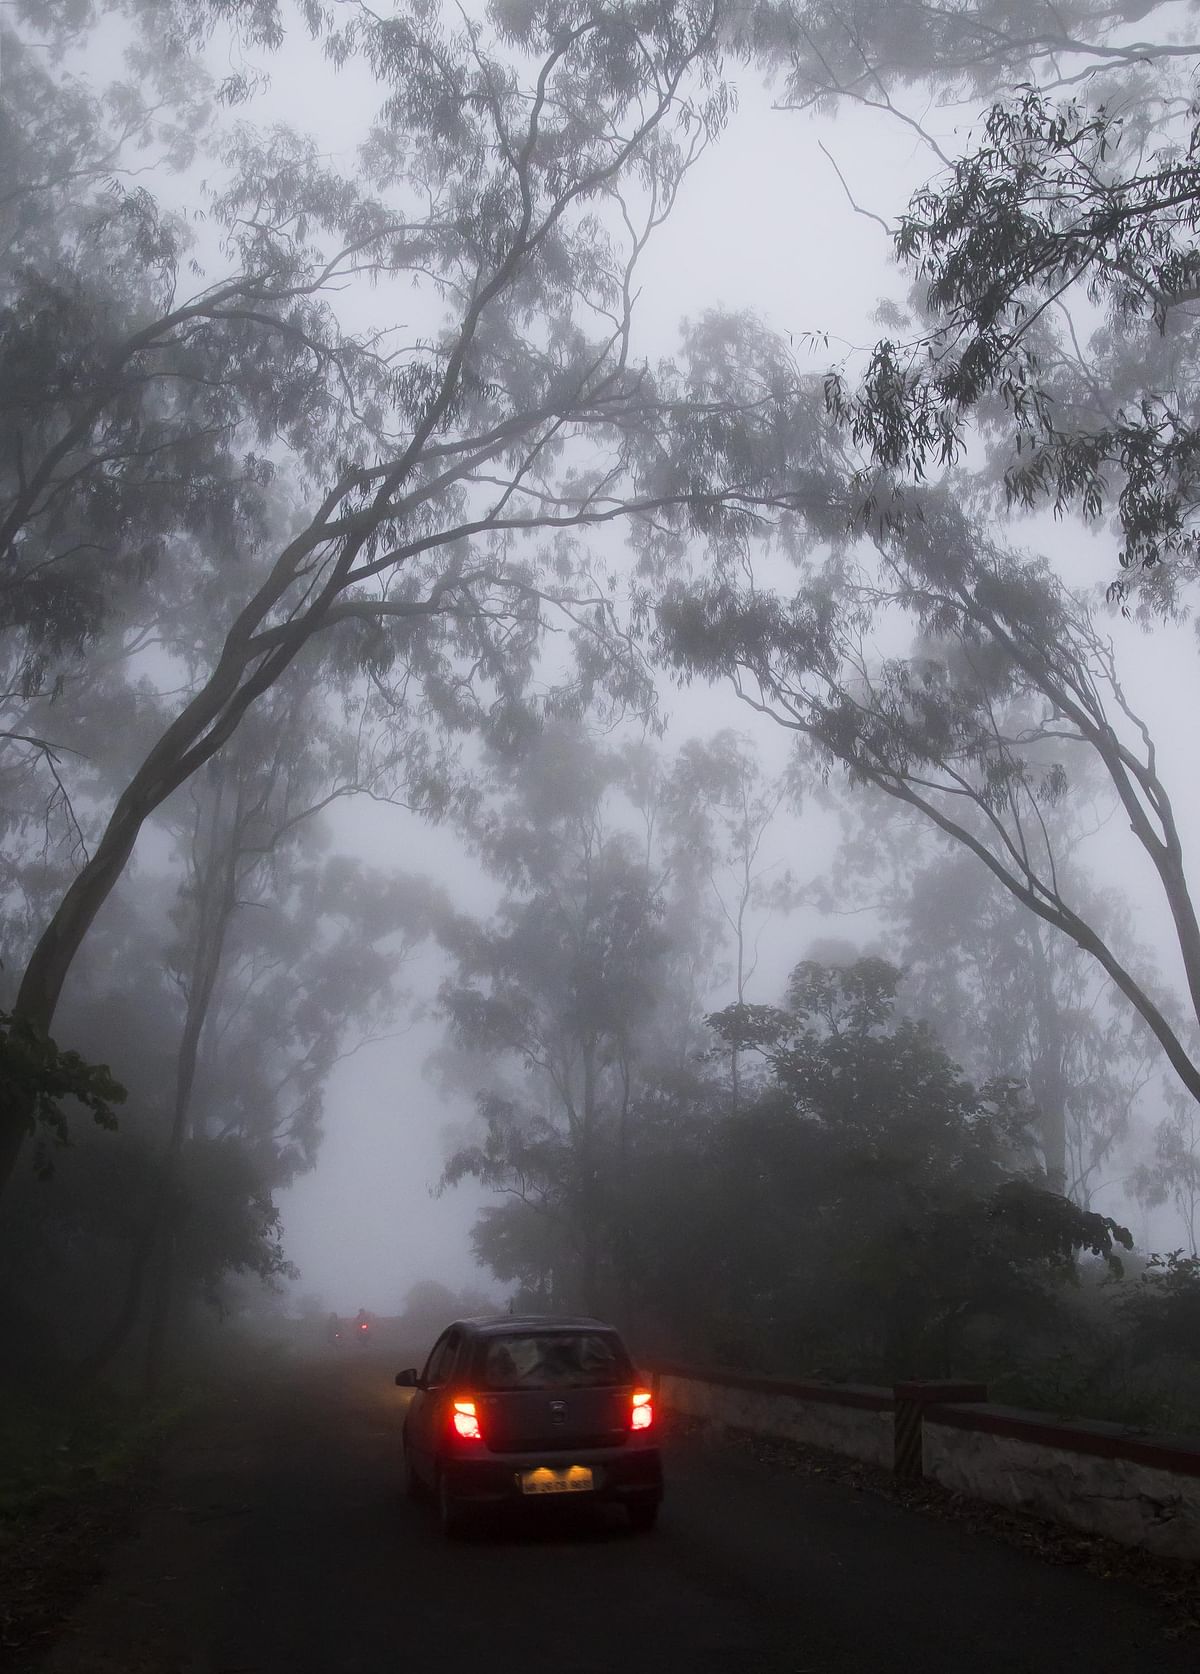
(588, 1205)
(1047, 1072)
(194, 737)
(109, 1346)
(160, 1312)
(624, 1233)
(216, 901)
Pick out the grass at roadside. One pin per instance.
(54, 1442)
(77, 1468)
(74, 1465)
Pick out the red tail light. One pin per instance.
(464, 1421)
(641, 1415)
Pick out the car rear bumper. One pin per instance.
(624, 1475)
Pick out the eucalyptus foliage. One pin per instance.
(176, 371)
(976, 727)
(871, 51)
(558, 1006)
(1056, 205)
(1053, 253)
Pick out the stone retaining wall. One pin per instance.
(1142, 1491)
(854, 1419)
(1104, 1479)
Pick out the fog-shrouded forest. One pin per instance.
(648, 716)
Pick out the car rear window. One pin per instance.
(555, 1360)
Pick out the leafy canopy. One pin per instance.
(37, 1076)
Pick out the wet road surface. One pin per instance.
(281, 1544)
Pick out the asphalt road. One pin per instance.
(279, 1543)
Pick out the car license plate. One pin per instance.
(575, 1479)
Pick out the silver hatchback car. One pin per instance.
(529, 1410)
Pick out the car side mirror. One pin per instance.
(407, 1379)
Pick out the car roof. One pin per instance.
(497, 1324)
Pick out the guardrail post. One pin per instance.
(911, 1398)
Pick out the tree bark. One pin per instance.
(216, 900)
(1047, 1072)
(160, 1313)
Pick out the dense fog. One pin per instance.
(596, 612)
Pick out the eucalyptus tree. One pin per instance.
(283, 958)
(1012, 998)
(720, 795)
(1173, 1173)
(826, 52)
(262, 960)
(1058, 264)
(722, 805)
(518, 167)
(129, 1233)
(559, 989)
(146, 1224)
(1047, 360)
(579, 1007)
(312, 969)
(1010, 684)
(1053, 255)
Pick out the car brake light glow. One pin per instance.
(465, 1420)
(642, 1416)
